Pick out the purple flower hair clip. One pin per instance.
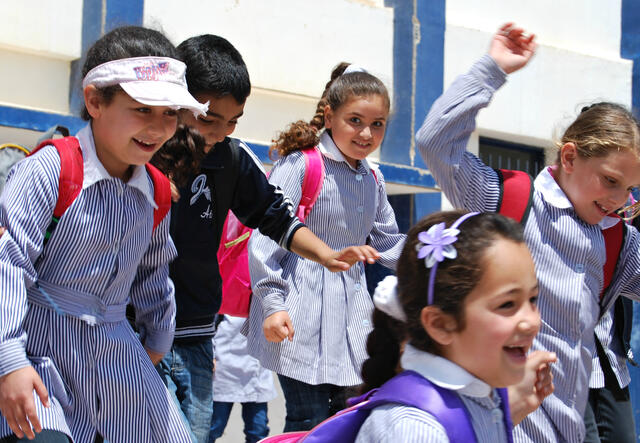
(436, 244)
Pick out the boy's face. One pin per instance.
(220, 121)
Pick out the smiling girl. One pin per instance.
(71, 366)
(464, 315)
(573, 201)
(330, 312)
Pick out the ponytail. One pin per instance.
(383, 346)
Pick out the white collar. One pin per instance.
(552, 194)
(330, 150)
(94, 171)
(443, 372)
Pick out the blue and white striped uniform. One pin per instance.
(605, 330)
(568, 253)
(330, 312)
(73, 329)
(393, 423)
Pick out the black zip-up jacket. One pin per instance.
(230, 177)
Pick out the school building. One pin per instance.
(587, 50)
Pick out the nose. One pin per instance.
(366, 132)
(529, 323)
(161, 126)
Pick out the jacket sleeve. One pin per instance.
(262, 205)
(26, 208)
(152, 291)
(265, 257)
(442, 140)
(384, 236)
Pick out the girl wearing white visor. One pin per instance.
(71, 367)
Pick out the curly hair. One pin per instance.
(454, 281)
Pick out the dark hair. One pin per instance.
(124, 42)
(454, 280)
(338, 91)
(181, 155)
(215, 67)
(602, 128)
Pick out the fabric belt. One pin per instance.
(84, 306)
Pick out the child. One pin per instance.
(330, 312)
(597, 165)
(227, 175)
(239, 378)
(63, 331)
(464, 311)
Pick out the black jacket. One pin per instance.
(230, 178)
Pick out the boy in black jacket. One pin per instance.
(227, 176)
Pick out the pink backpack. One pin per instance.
(233, 257)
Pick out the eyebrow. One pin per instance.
(215, 114)
(357, 114)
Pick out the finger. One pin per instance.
(13, 424)
(537, 358)
(32, 416)
(21, 418)
(506, 26)
(42, 392)
(289, 326)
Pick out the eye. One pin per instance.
(205, 121)
(506, 305)
(610, 181)
(171, 113)
(232, 123)
(143, 109)
(355, 120)
(378, 124)
(534, 300)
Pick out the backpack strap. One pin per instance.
(71, 176)
(516, 194)
(411, 389)
(312, 182)
(613, 239)
(161, 194)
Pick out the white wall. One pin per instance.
(289, 46)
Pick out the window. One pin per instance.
(502, 155)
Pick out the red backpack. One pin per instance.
(233, 257)
(72, 173)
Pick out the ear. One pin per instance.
(328, 116)
(93, 101)
(568, 156)
(439, 325)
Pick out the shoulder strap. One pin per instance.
(411, 389)
(613, 238)
(516, 194)
(312, 182)
(71, 176)
(161, 194)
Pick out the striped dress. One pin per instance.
(330, 312)
(393, 423)
(568, 253)
(62, 308)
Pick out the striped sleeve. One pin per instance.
(26, 208)
(384, 236)
(152, 291)
(265, 256)
(442, 139)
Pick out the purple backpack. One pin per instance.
(407, 388)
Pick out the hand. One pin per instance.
(16, 401)
(154, 356)
(511, 49)
(277, 327)
(343, 260)
(526, 396)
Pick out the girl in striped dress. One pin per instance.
(71, 367)
(330, 312)
(573, 201)
(462, 312)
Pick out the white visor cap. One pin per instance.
(152, 81)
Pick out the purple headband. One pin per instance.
(436, 244)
